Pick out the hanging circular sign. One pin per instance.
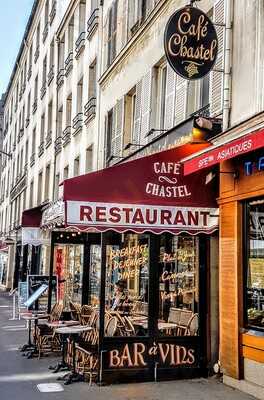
(191, 43)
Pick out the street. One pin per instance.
(19, 376)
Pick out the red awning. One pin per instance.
(31, 218)
(146, 194)
(224, 151)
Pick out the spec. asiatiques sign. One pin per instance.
(190, 42)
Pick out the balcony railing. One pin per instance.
(80, 44)
(92, 23)
(90, 109)
(35, 106)
(29, 72)
(19, 186)
(69, 63)
(32, 160)
(45, 32)
(58, 145)
(66, 136)
(36, 54)
(53, 11)
(43, 90)
(27, 121)
(21, 132)
(60, 77)
(77, 123)
(51, 75)
(48, 139)
(41, 148)
(14, 146)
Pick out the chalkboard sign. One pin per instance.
(35, 282)
(22, 292)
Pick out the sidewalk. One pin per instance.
(19, 376)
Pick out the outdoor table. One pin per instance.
(29, 317)
(72, 332)
(57, 324)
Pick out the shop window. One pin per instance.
(68, 266)
(127, 285)
(254, 295)
(179, 286)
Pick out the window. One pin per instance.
(46, 12)
(51, 59)
(59, 126)
(26, 154)
(44, 71)
(47, 183)
(109, 134)
(179, 284)
(82, 10)
(70, 35)
(89, 160)
(92, 81)
(111, 36)
(80, 96)
(56, 188)
(76, 168)
(69, 110)
(130, 108)
(66, 172)
(159, 95)
(61, 52)
(40, 176)
(254, 241)
(28, 105)
(36, 89)
(127, 280)
(42, 128)
(33, 149)
(31, 194)
(49, 117)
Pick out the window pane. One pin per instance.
(179, 285)
(94, 275)
(255, 267)
(127, 275)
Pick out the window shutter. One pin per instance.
(117, 133)
(146, 106)
(137, 123)
(180, 100)
(105, 40)
(124, 22)
(170, 98)
(217, 76)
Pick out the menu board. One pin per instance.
(257, 272)
(35, 282)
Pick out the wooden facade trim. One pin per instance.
(256, 342)
(253, 354)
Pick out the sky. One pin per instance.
(14, 15)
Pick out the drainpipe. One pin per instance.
(229, 12)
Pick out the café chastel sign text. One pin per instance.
(191, 43)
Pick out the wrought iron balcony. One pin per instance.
(90, 109)
(19, 186)
(80, 44)
(77, 123)
(35, 106)
(51, 75)
(58, 145)
(45, 32)
(41, 148)
(27, 121)
(14, 146)
(21, 132)
(66, 136)
(60, 77)
(29, 72)
(92, 23)
(36, 54)
(53, 11)
(32, 160)
(48, 139)
(69, 63)
(43, 90)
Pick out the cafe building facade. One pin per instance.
(154, 237)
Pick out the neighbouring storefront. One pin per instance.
(241, 211)
(140, 241)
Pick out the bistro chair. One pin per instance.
(75, 311)
(193, 326)
(86, 312)
(185, 318)
(46, 338)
